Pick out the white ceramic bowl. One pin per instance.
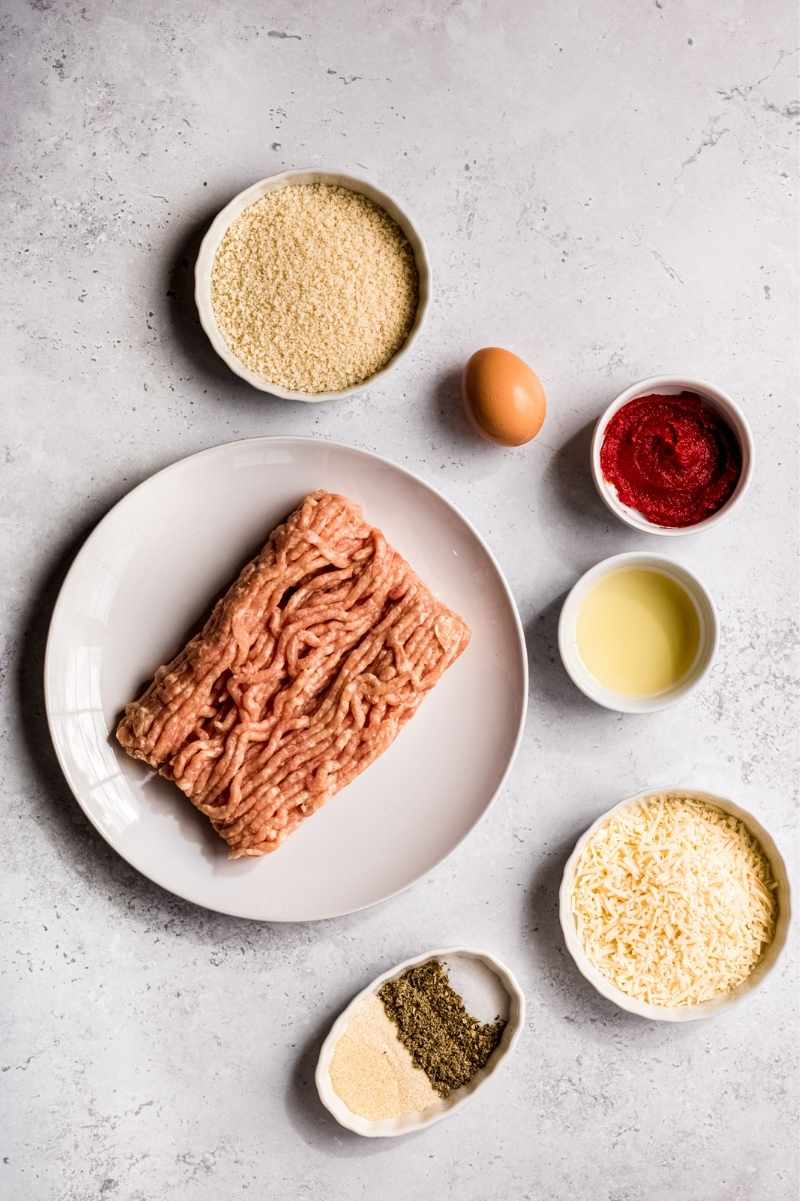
(216, 232)
(669, 385)
(679, 1013)
(568, 643)
(483, 982)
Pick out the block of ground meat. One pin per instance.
(303, 674)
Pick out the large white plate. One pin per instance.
(147, 575)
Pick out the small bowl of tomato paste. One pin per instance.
(672, 455)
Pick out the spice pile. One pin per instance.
(314, 287)
(372, 1071)
(432, 1022)
(409, 1044)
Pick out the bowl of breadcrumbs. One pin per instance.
(311, 284)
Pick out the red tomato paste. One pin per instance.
(673, 458)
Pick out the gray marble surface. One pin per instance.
(608, 189)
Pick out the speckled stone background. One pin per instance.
(608, 189)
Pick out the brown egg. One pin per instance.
(503, 396)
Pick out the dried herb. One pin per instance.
(433, 1024)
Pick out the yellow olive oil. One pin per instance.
(638, 632)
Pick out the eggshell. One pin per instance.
(503, 396)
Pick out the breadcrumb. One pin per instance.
(314, 287)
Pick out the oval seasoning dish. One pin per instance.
(486, 978)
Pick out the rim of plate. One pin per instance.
(377, 458)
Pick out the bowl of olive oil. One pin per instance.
(637, 633)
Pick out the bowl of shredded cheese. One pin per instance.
(312, 284)
(675, 904)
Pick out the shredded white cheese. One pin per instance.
(674, 900)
